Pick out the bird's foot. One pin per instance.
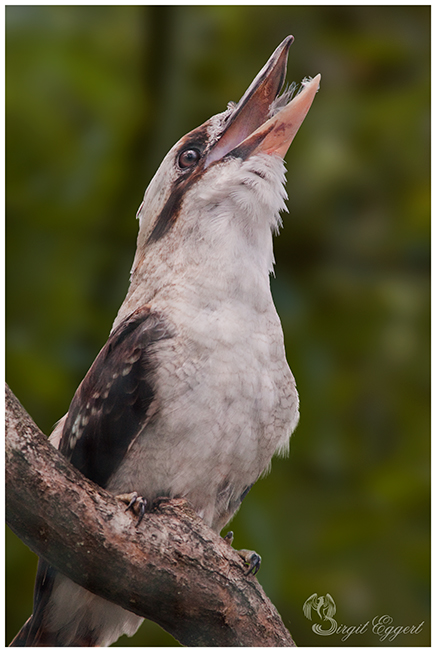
(252, 559)
(228, 538)
(135, 503)
(249, 557)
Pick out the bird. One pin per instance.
(192, 395)
(325, 607)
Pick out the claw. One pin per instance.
(228, 538)
(252, 559)
(135, 503)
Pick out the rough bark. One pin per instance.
(172, 569)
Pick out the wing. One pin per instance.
(112, 404)
(109, 409)
(309, 605)
(330, 606)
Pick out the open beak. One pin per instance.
(250, 130)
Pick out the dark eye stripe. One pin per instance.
(168, 214)
(173, 205)
(196, 142)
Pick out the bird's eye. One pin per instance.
(188, 158)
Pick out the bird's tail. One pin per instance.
(66, 615)
(36, 633)
(20, 639)
(31, 635)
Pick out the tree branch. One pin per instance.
(172, 569)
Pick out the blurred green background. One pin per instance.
(96, 95)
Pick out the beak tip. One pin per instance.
(283, 48)
(312, 83)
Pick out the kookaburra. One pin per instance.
(191, 396)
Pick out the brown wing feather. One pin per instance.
(112, 403)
